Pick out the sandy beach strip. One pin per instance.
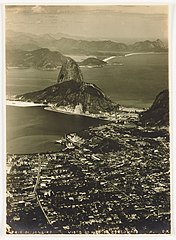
(23, 104)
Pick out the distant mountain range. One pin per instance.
(28, 41)
(41, 58)
(156, 46)
(44, 59)
(67, 45)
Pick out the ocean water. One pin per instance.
(33, 129)
(135, 83)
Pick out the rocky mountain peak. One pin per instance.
(72, 92)
(158, 113)
(159, 44)
(70, 71)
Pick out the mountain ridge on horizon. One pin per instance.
(59, 35)
(46, 59)
(66, 44)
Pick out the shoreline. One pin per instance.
(49, 108)
(18, 103)
(109, 58)
(142, 53)
(93, 159)
(124, 54)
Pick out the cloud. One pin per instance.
(89, 9)
(39, 21)
(38, 9)
(14, 9)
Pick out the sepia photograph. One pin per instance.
(87, 119)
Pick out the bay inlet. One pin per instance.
(32, 129)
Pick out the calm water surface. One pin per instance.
(33, 129)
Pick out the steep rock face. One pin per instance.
(158, 113)
(70, 71)
(73, 94)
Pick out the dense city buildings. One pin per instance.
(114, 178)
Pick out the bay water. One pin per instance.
(133, 81)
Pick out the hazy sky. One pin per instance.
(101, 22)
